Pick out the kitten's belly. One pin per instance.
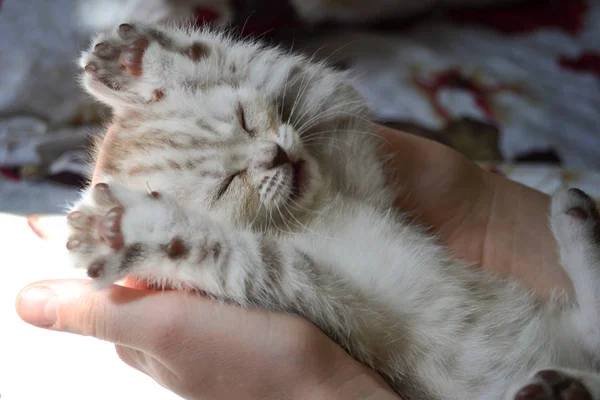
(467, 331)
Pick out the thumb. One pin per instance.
(117, 314)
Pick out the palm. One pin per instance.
(486, 219)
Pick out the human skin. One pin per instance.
(200, 349)
(484, 217)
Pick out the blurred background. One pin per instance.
(514, 85)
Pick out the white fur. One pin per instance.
(339, 255)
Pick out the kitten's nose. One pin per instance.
(280, 158)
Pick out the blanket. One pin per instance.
(505, 85)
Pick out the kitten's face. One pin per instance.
(247, 164)
(238, 131)
(267, 175)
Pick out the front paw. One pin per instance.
(114, 65)
(113, 231)
(135, 64)
(96, 242)
(117, 232)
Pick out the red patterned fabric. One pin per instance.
(254, 18)
(567, 15)
(588, 61)
(457, 80)
(12, 174)
(521, 87)
(205, 15)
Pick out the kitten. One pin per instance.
(249, 173)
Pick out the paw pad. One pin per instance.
(197, 51)
(96, 270)
(78, 220)
(125, 30)
(109, 228)
(551, 385)
(101, 47)
(578, 213)
(176, 248)
(157, 95)
(91, 69)
(131, 57)
(530, 392)
(106, 51)
(103, 195)
(73, 244)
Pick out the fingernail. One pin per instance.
(37, 306)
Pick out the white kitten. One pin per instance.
(251, 174)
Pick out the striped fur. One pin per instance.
(251, 174)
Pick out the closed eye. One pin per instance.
(243, 122)
(227, 183)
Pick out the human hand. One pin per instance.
(484, 217)
(201, 349)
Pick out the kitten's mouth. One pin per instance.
(299, 178)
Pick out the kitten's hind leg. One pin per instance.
(558, 384)
(133, 65)
(575, 222)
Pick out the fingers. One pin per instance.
(118, 314)
(148, 364)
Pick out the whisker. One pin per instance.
(312, 135)
(307, 229)
(305, 83)
(332, 111)
(283, 219)
(325, 141)
(258, 210)
(328, 58)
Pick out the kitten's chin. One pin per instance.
(294, 191)
(304, 188)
